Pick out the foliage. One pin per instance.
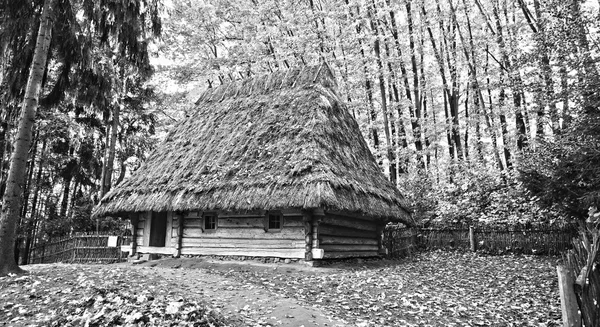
(476, 196)
(565, 172)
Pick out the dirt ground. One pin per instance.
(429, 289)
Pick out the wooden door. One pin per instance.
(158, 229)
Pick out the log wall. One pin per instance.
(344, 236)
(333, 235)
(242, 234)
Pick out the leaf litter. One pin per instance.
(429, 289)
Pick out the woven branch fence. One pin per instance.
(79, 249)
(540, 239)
(583, 261)
(399, 240)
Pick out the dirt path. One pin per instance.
(248, 303)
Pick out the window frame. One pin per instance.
(268, 215)
(207, 214)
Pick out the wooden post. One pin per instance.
(380, 247)
(134, 227)
(568, 302)
(180, 219)
(472, 239)
(308, 237)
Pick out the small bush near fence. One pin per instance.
(78, 249)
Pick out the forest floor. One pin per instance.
(428, 289)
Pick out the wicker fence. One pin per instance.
(583, 262)
(78, 249)
(538, 239)
(399, 240)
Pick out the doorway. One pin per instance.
(158, 229)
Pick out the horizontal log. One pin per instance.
(193, 222)
(338, 255)
(326, 239)
(291, 212)
(349, 248)
(192, 214)
(293, 221)
(331, 219)
(241, 222)
(325, 229)
(350, 215)
(224, 232)
(241, 243)
(154, 249)
(192, 232)
(278, 253)
(249, 245)
(229, 214)
(240, 215)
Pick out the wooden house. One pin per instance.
(271, 166)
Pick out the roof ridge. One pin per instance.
(298, 77)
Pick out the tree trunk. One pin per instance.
(489, 116)
(29, 229)
(122, 172)
(384, 107)
(372, 115)
(478, 101)
(64, 204)
(447, 93)
(416, 114)
(110, 157)
(4, 148)
(503, 70)
(546, 97)
(423, 101)
(23, 221)
(467, 121)
(11, 203)
(451, 58)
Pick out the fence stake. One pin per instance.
(568, 302)
(472, 239)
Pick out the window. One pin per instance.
(210, 221)
(274, 220)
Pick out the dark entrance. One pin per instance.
(158, 229)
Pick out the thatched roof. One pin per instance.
(284, 140)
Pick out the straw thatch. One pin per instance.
(283, 140)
